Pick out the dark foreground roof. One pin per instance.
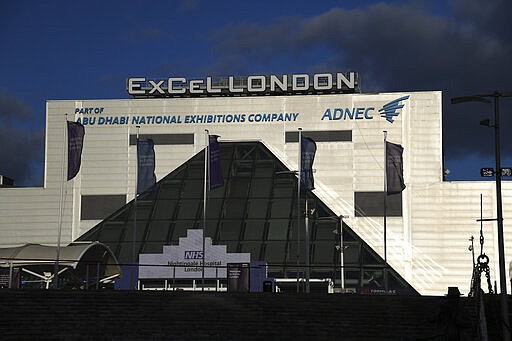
(164, 315)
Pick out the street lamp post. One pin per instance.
(499, 207)
(338, 231)
(342, 277)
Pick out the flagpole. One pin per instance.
(59, 229)
(385, 211)
(134, 236)
(205, 193)
(298, 205)
(306, 223)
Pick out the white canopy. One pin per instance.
(70, 255)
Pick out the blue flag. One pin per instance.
(216, 178)
(394, 168)
(76, 132)
(146, 178)
(307, 156)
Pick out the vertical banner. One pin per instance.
(216, 178)
(394, 168)
(146, 178)
(238, 277)
(307, 156)
(76, 132)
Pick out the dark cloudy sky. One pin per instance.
(87, 50)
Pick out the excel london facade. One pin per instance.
(413, 241)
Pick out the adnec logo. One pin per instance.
(389, 112)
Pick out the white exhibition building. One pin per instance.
(428, 225)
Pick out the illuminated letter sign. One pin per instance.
(254, 85)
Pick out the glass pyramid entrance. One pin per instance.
(255, 212)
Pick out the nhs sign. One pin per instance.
(186, 259)
(193, 255)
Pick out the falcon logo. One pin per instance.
(389, 110)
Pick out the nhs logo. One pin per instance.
(389, 112)
(193, 254)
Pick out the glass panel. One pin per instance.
(92, 234)
(170, 190)
(234, 208)
(187, 209)
(180, 230)
(278, 229)
(126, 252)
(352, 254)
(217, 192)
(275, 252)
(226, 151)
(284, 188)
(261, 188)
(281, 208)
(324, 230)
(176, 175)
(140, 231)
(323, 213)
(242, 168)
(152, 247)
(239, 187)
(291, 255)
(193, 189)
(257, 208)
(352, 278)
(143, 210)
(373, 278)
(231, 246)
(251, 247)
(213, 208)
(111, 234)
(394, 281)
(323, 252)
(322, 272)
(164, 209)
(254, 229)
(264, 169)
(195, 169)
(229, 230)
(370, 258)
(349, 235)
(293, 229)
(158, 231)
(277, 271)
(121, 215)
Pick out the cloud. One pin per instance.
(189, 5)
(22, 152)
(396, 48)
(12, 109)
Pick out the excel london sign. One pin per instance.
(252, 85)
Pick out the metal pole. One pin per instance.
(298, 205)
(385, 210)
(61, 205)
(342, 275)
(499, 212)
(205, 193)
(134, 235)
(385, 194)
(10, 273)
(306, 223)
